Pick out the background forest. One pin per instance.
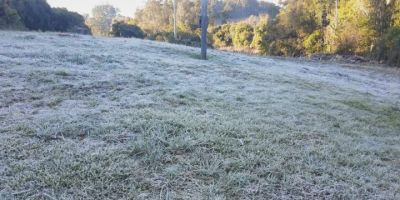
(367, 28)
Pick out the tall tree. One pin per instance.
(396, 13)
(235, 10)
(66, 21)
(35, 14)
(155, 16)
(9, 17)
(102, 18)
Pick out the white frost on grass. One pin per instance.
(108, 118)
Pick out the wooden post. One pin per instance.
(337, 15)
(175, 34)
(204, 26)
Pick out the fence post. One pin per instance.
(175, 34)
(204, 26)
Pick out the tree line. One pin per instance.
(38, 15)
(155, 19)
(369, 28)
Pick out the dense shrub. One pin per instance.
(38, 15)
(314, 43)
(185, 38)
(35, 14)
(392, 46)
(352, 41)
(285, 47)
(162, 37)
(121, 29)
(102, 19)
(242, 35)
(9, 17)
(189, 38)
(222, 36)
(66, 21)
(260, 34)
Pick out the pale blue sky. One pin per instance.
(127, 7)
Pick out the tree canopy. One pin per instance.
(102, 18)
(38, 15)
(367, 28)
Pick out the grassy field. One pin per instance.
(103, 118)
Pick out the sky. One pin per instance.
(126, 7)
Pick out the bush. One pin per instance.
(222, 36)
(345, 42)
(392, 46)
(396, 14)
(35, 14)
(66, 21)
(162, 37)
(242, 35)
(38, 15)
(387, 48)
(188, 38)
(121, 29)
(259, 39)
(284, 47)
(9, 17)
(314, 43)
(185, 38)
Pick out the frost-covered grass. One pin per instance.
(106, 118)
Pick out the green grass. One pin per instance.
(359, 104)
(61, 73)
(102, 118)
(384, 115)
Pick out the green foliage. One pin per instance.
(122, 29)
(66, 21)
(35, 14)
(185, 38)
(242, 35)
(156, 19)
(222, 36)
(284, 47)
(395, 6)
(298, 28)
(260, 34)
(9, 17)
(314, 43)
(162, 37)
(299, 18)
(101, 20)
(189, 38)
(160, 26)
(358, 27)
(234, 10)
(392, 46)
(355, 32)
(396, 13)
(38, 15)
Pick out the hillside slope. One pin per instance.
(106, 118)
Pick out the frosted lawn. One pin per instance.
(106, 118)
